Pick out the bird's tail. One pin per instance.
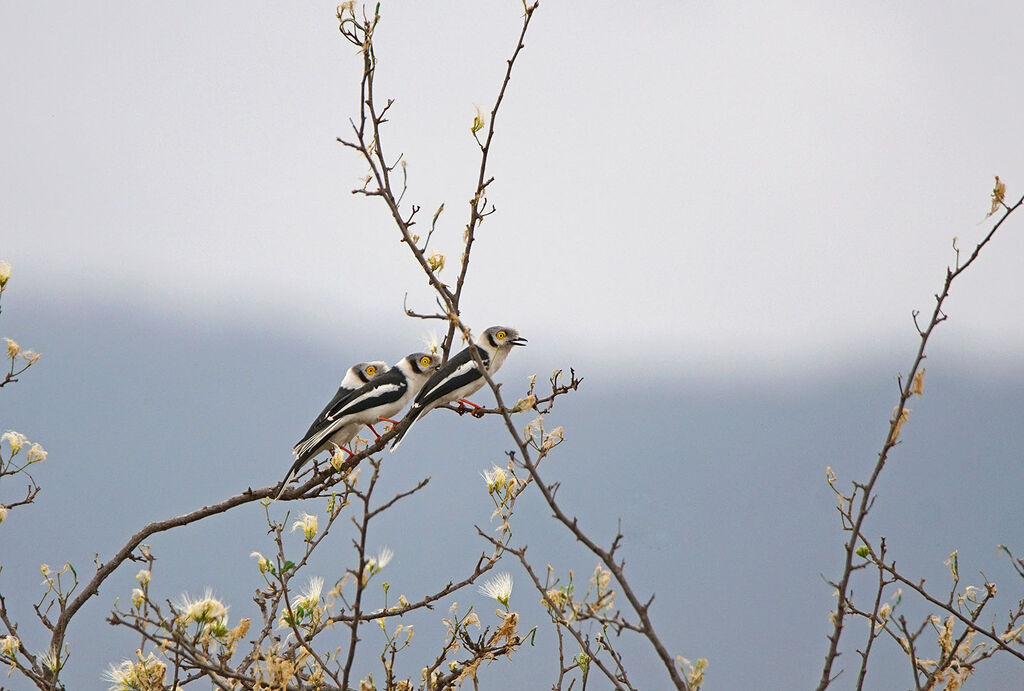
(292, 472)
(414, 415)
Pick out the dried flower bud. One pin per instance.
(953, 562)
(524, 404)
(9, 645)
(5, 273)
(998, 195)
(554, 438)
(12, 349)
(348, 6)
(899, 416)
(946, 636)
(918, 386)
(436, 262)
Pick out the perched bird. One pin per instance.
(357, 375)
(380, 398)
(460, 376)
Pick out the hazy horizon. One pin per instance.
(720, 490)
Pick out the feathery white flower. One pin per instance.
(36, 454)
(15, 440)
(264, 563)
(374, 564)
(120, 676)
(499, 588)
(206, 609)
(310, 597)
(495, 478)
(308, 524)
(384, 556)
(50, 660)
(431, 343)
(147, 673)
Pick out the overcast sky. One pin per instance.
(732, 192)
(760, 187)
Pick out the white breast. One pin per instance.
(497, 358)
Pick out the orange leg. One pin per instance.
(472, 407)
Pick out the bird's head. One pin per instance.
(500, 337)
(422, 364)
(366, 371)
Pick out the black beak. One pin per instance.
(518, 341)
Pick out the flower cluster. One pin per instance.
(207, 613)
(142, 673)
(542, 441)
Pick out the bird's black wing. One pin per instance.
(343, 394)
(387, 388)
(454, 374)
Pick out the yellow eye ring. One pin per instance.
(424, 361)
(500, 335)
(371, 370)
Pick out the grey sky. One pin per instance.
(763, 187)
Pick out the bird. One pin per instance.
(460, 376)
(357, 375)
(379, 398)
